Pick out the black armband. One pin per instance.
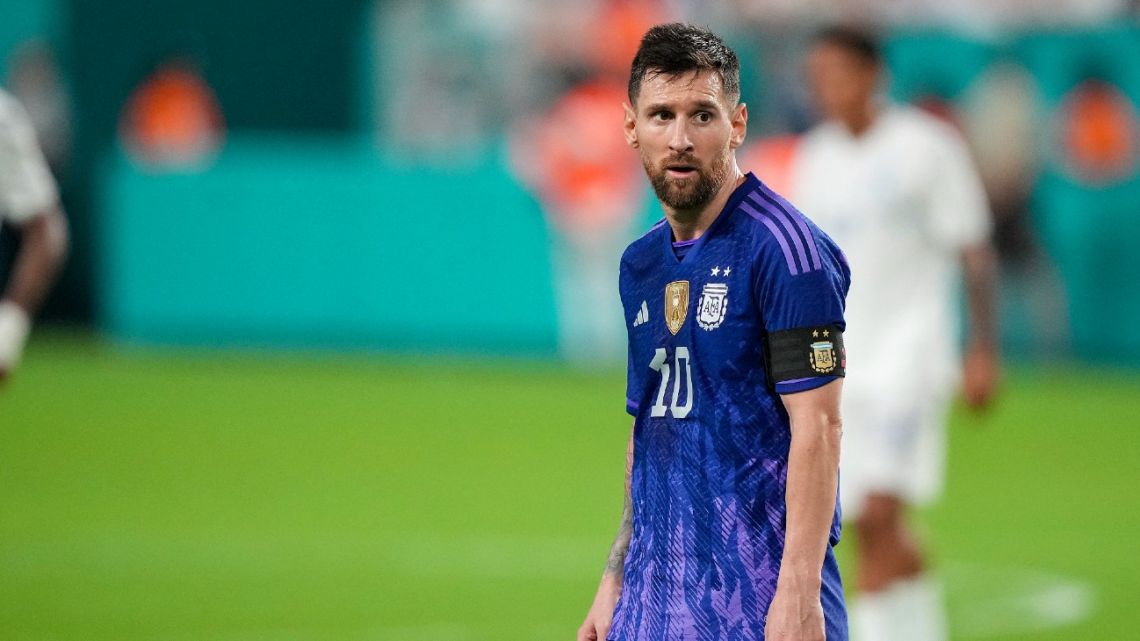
(805, 352)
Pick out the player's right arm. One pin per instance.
(601, 614)
(43, 246)
(28, 198)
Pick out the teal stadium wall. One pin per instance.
(325, 243)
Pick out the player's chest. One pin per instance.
(705, 304)
(868, 190)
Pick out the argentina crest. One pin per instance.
(676, 304)
(712, 306)
(822, 356)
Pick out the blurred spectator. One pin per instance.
(999, 117)
(35, 80)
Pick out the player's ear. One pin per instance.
(630, 125)
(739, 125)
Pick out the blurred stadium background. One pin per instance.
(337, 354)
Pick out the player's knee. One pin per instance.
(881, 516)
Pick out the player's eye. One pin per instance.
(704, 116)
(661, 115)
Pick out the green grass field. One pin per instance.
(179, 495)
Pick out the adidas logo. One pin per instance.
(642, 315)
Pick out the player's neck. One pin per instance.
(690, 224)
(860, 121)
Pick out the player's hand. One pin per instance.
(14, 327)
(601, 614)
(796, 614)
(980, 373)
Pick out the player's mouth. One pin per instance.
(680, 171)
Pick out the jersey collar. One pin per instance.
(751, 182)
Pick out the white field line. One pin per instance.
(988, 601)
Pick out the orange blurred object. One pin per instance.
(1100, 135)
(618, 30)
(173, 118)
(771, 160)
(582, 169)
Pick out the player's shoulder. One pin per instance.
(9, 105)
(645, 249)
(820, 138)
(13, 117)
(916, 125)
(783, 235)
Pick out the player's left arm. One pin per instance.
(981, 368)
(796, 613)
(961, 220)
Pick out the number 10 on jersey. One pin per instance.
(660, 363)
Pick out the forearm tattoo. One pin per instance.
(615, 564)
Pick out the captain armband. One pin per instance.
(806, 352)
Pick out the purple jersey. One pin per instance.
(711, 435)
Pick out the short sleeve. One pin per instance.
(26, 185)
(633, 381)
(958, 213)
(632, 384)
(800, 298)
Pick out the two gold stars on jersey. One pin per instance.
(712, 307)
(822, 356)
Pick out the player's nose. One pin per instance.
(679, 137)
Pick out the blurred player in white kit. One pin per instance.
(896, 189)
(29, 200)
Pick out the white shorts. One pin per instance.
(899, 451)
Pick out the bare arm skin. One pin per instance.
(796, 613)
(981, 367)
(43, 247)
(601, 614)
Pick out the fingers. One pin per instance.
(980, 378)
(980, 388)
(593, 630)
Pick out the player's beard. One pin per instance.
(690, 193)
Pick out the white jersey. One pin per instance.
(902, 201)
(26, 185)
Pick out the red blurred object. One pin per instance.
(579, 164)
(771, 160)
(173, 118)
(1099, 133)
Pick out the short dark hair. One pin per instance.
(860, 42)
(676, 48)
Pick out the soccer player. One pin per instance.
(28, 199)
(734, 310)
(895, 187)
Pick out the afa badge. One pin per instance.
(822, 357)
(712, 306)
(676, 304)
